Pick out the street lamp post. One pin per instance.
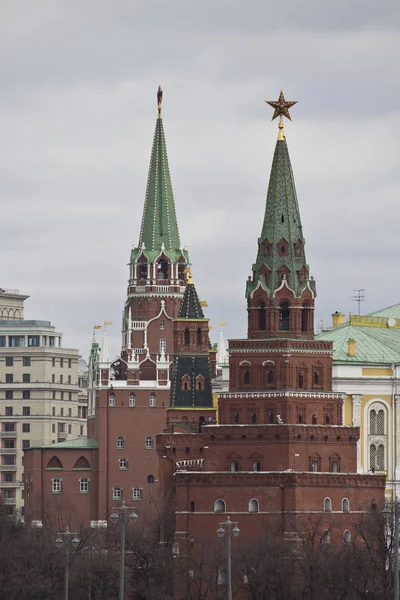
(64, 540)
(114, 518)
(229, 527)
(387, 512)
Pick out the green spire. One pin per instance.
(281, 245)
(159, 229)
(190, 307)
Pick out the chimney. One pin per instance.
(337, 319)
(351, 347)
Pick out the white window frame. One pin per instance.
(56, 485)
(84, 485)
(123, 463)
(149, 443)
(120, 442)
(136, 493)
(153, 400)
(111, 400)
(163, 345)
(132, 401)
(117, 492)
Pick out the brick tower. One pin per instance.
(280, 452)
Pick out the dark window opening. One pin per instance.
(143, 270)
(304, 318)
(253, 418)
(270, 377)
(187, 337)
(271, 417)
(282, 219)
(162, 269)
(185, 385)
(301, 380)
(247, 377)
(191, 506)
(262, 322)
(181, 270)
(316, 377)
(327, 419)
(283, 249)
(300, 418)
(199, 386)
(284, 317)
(236, 418)
(314, 419)
(198, 337)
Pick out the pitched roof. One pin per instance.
(159, 228)
(281, 222)
(377, 341)
(190, 307)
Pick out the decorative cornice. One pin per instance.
(282, 393)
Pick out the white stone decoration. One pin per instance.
(356, 405)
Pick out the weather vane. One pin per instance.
(159, 99)
(281, 109)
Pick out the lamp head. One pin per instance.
(60, 542)
(75, 542)
(236, 531)
(132, 517)
(220, 532)
(114, 518)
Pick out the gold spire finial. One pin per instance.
(188, 270)
(281, 109)
(159, 100)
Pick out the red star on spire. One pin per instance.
(281, 106)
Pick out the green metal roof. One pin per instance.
(281, 222)
(376, 341)
(159, 229)
(190, 307)
(83, 443)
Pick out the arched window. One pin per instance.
(186, 336)
(262, 322)
(327, 419)
(253, 506)
(162, 269)
(271, 417)
(162, 325)
(120, 442)
(314, 419)
(200, 382)
(123, 463)
(116, 493)
(372, 422)
(181, 269)
(111, 400)
(270, 376)
(82, 463)
(236, 418)
(83, 485)
(347, 537)
(254, 418)
(326, 537)
(219, 506)
(246, 377)
(199, 341)
(54, 463)
(300, 380)
(380, 458)
(149, 443)
(150, 478)
(56, 485)
(234, 466)
(345, 505)
(380, 422)
(327, 505)
(132, 400)
(256, 466)
(284, 317)
(304, 317)
(316, 377)
(142, 269)
(152, 400)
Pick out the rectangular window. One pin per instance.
(61, 363)
(53, 428)
(9, 394)
(56, 486)
(26, 411)
(2, 341)
(53, 411)
(149, 443)
(62, 395)
(9, 411)
(26, 361)
(84, 485)
(70, 396)
(70, 412)
(53, 362)
(16, 341)
(26, 427)
(163, 345)
(61, 378)
(51, 342)
(8, 477)
(61, 412)
(33, 340)
(61, 428)
(26, 444)
(81, 429)
(9, 427)
(26, 395)
(26, 378)
(9, 443)
(54, 395)
(9, 378)
(69, 363)
(53, 378)
(9, 459)
(117, 493)
(69, 379)
(9, 361)
(69, 428)
(136, 493)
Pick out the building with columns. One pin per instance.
(366, 370)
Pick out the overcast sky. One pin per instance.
(78, 82)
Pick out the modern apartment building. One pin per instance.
(40, 398)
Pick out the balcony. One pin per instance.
(139, 325)
(164, 289)
(10, 484)
(9, 501)
(8, 434)
(8, 451)
(8, 467)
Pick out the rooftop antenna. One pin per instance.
(358, 297)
